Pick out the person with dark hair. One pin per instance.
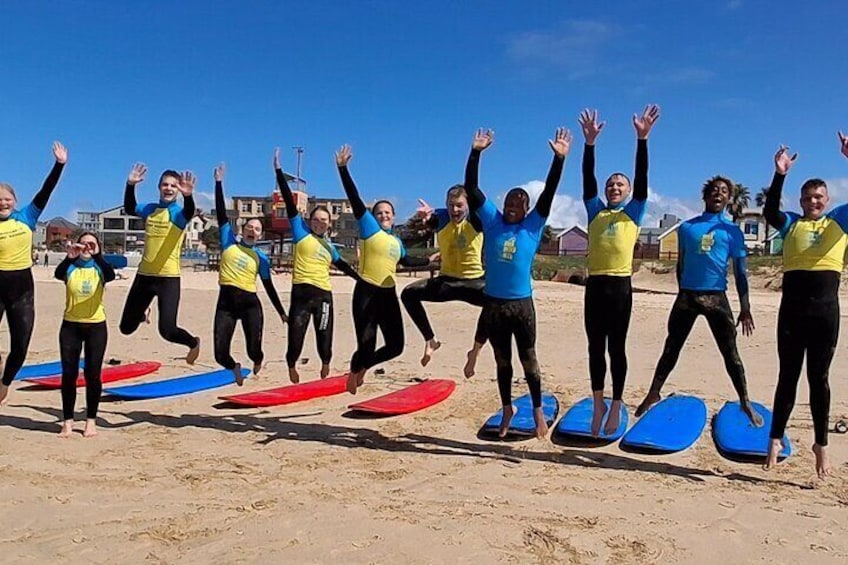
(706, 244)
(613, 231)
(375, 303)
(511, 239)
(311, 294)
(17, 289)
(85, 273)
(159, 272)
(808, 320)
(461, 277)
(241, 262)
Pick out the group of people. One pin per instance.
(469, 229)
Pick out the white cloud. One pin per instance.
(837, 189)
(206, 201)
(575, 47)
(659, 205)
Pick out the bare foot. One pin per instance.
(256, 368)
(506, 420)
(470, 363)
(614, 418)
(541, 424)
(651, 399)
(360, 378)
(352, 382)
(193, 353)
(598, 412)
(237, 374)
(67, 428)
(325, 371)
(147, 316)
(90, 428)
(775, 447)
(4, 392)
(822, 463)
(753, 415)
(430, 347)
(294, 376)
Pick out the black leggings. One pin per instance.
(309, 302)
(504, 319)
(17, 300)
(443, 289)
(716, 309)
(235, 304)
(73, 337)
(606, 309)
(375, 307)
(808, 322)
(142, 292)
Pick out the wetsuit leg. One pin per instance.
(595, 321)
(365, 315)
(413, 296)
(390, 322)
(96, 336)
(224, 328)
(70, 347)
(791, 346)
(169, 304)
(322, 320)
(141, 294)
(252, 323)
(500, 336)
(523, 314)
(621, 306)
(18, 297)
(716, 309)
(680, 321)
(299, 314)
(823, 336)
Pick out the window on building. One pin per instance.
(113, 223)
(136, 224)
(246, 207)
(337, 209)
(281, 213)
(752, 228)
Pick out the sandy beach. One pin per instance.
(186, 480)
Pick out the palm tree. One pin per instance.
(761, 197)
(740, 200)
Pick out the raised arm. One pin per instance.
(591, 130)
(771, 211)
(561, 145)
(343, 157)
(285, 190)
(187, 183)
(42, 196)
(643, 126)
(220, 201)
(482, 140)
(135, 177)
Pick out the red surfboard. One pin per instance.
(409, 399)
(290, 393)
(107, 375)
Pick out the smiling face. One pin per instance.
(385, 214)
(716, 195)
(92, 248)
(8, 201)
(251, 232)
(617, 189)
(516, 206)
(319, 222)
(169, 187)
(814, 199)
(458, 208)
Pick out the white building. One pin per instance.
(194, 230)
(89, 221)
(39, 237)
(120, 232)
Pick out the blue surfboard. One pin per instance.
(523, 422)
(672, 424)
(734, 434)
(578, 421)
(176, 386)
(42, 370)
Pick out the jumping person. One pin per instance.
(706, 244)
(240, 264)
(17, 290)
(375, 303)
(85, 273)
(511, 239)
(613, 231)
(461, 276)
(808, 320)
(159, 272)
(311, 294)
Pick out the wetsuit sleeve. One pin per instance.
(740, 274)
(42, 196)
(475, 222)
(840, 216)
(220, 205)
(130, 203)
(273, 296)
(61, 271)
(107, 271)
(590, 183)
(476, 198)
(546, 199)
(345, 268)
(640, 178)
(439, 219)
(288, 197)
(771, 210)
(678, 271)
(188, 209)
(352, 193)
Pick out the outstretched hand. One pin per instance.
(424, 210)
(561, 144)
(589, 124)
(782, 161)
(60, 152)
(220, 171)
(644, 124)
(137, 174)
(483, 139)
(843, 139)
(344, 155)
(187, 183)
(276, 158)
(747, 322)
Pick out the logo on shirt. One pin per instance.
(707, 242)
(612, 229)
(241, 263)
(815, 237)
(86, 288)
(461, 241)
(508, 250)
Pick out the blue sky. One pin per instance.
(189, 84)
